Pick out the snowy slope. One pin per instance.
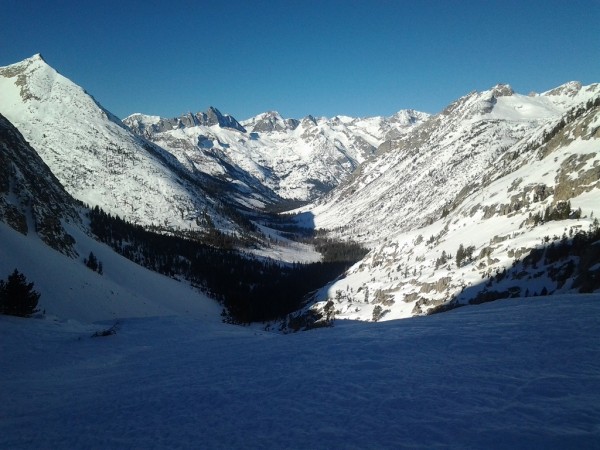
(507, 375)
(96, 158)
(422, 172)
(43, 236)
(294, 159)
(487, 167)
(69, 290)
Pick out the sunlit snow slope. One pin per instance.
(97, 159)
(294, 159)
(498, 173)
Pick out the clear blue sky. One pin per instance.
(358, 58)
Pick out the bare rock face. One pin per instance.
(502, 90)
(577, 176)
(569, 89)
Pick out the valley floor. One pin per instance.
(508, 374)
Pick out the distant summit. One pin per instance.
(146, 125)
(270, 121)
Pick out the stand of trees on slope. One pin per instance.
(251, 290)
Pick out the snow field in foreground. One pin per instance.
(509, 374)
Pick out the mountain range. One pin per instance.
(504, 175)
(493, 197)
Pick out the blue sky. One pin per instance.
(358, 58)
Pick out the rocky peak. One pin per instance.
(502, 90)
(271, 121)
(214, 117)
(147, 125)
(309, 120)
(569, 89)
(408, 117)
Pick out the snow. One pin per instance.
(294, 162)
(285, 250)
(72, 291)
(510, 374)
(94, 156)
(394, 203)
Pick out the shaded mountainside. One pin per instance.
(31, 198)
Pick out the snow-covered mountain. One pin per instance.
(96, 158)
(453, 208)
(205, 163)
(43, 234)
(295, 159)
(495, 197)
(421, 173)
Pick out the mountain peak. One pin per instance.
(409, 116)
(37, 57)
(270, 121)
(570, 89)
(502, 90)
(25, 66)
(214, 117)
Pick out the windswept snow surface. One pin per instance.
(510, 374)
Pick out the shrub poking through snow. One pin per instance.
(108, 331)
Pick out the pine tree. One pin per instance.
(460, 254)
(17, 297)
(92, 262)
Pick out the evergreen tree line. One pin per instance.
(333, 250)
(561, 211)
(92, 263)
(250, 290)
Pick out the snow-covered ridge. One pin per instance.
(96, 158)
(147, 125)
(437, 160)
(297, 159)
(500, 175)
